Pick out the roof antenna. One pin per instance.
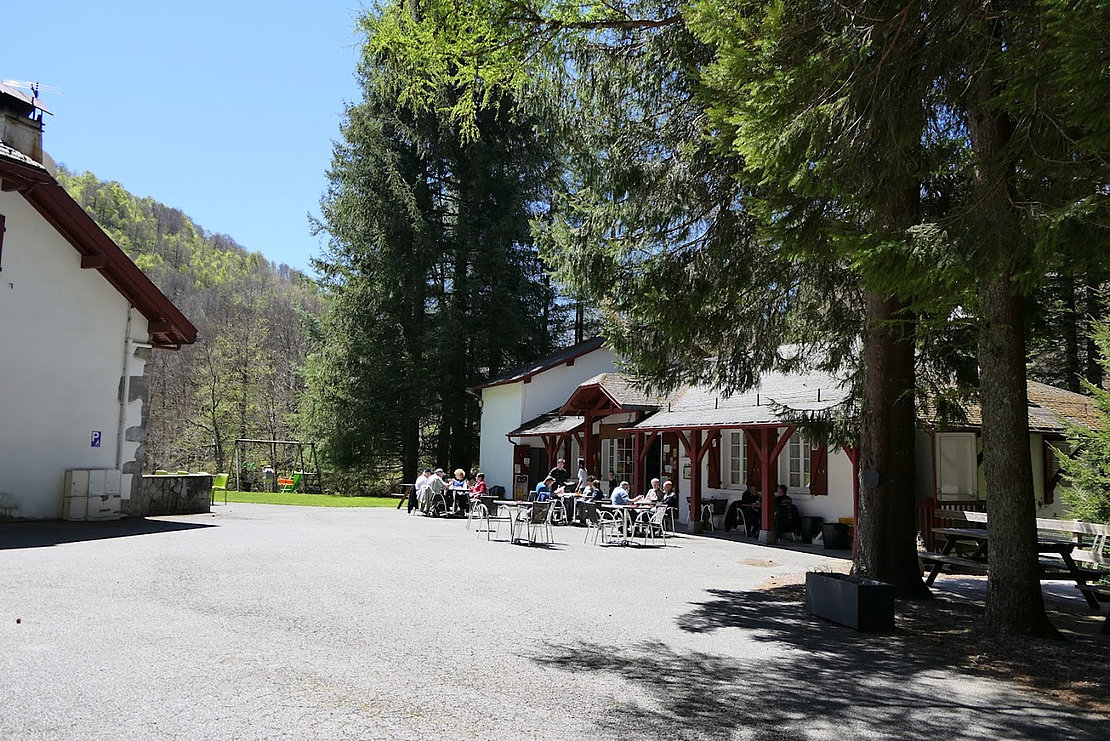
(34, 88)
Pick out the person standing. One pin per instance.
(612, 482)
(583, 476)
(559, 474)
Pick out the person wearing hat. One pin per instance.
(436, 487)
(421, 482)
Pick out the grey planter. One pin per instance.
(863, 604)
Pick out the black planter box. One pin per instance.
(863, 604)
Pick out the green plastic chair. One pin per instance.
(219, 484)
(287, 486)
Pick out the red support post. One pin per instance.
(695, 451)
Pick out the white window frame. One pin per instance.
(618, 457)
(798, 455)
(737, 458)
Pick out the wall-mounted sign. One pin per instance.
(685, 470)
(96, 438)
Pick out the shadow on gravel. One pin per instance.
(817, 677)
(56, 532)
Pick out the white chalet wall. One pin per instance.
(551, 388)
(501, 407)
(506, 407)
(61, 361)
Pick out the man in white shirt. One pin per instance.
(436, 485)
(653, 495)
(421, 482)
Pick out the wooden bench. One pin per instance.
(1098, 591)
(939, 560)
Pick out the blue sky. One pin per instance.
(226, 110)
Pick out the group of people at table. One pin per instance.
(433, 489)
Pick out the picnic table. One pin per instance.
(975, 559)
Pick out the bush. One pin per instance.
(358, 484)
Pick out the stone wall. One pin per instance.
(185, 494)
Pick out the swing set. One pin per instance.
(285, 469)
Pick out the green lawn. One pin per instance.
(306, 500)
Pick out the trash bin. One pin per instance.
(837, 536)
(810, 527)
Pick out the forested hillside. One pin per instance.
(242, 378)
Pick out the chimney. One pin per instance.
(21, 122)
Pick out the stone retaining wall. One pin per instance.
(185, 494)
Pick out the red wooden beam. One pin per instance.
(695, 481)
(89, 262)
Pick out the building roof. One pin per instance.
(1048, 408)
(620, 390)
(701, 407)
(551, 423)
(525, 372)
(168, 326)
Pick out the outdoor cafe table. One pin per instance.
(978, 539)
(514, 506)
(626, 511)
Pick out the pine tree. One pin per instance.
(1086, 486)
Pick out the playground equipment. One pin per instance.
(285, 466)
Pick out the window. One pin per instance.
(737, 458)
(957, 464)
(618, 458)
(799, 462)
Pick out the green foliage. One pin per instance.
(432, 278)
(243, 377)
(1086, 486)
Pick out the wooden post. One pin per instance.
(695, 451)
(637, 456)
(588, 445)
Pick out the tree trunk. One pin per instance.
(1095, 309)
(886, 543)
(1014, 600)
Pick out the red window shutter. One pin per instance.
(714, 478)
(819, 470)
(754, 470)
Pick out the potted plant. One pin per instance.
(862, 604)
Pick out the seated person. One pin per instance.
(653, 495)
(749, 509)
(543, 491)
(787, 517)
(459, 486)
(593, 491)
(620, 494)
(669, 496)
(479, 487)
(434, 488)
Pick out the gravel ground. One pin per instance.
(267, 622)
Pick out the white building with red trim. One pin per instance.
(78, 321)
(711, 445)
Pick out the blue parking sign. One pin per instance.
(96, 438)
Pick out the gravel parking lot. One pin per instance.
(267, 622)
